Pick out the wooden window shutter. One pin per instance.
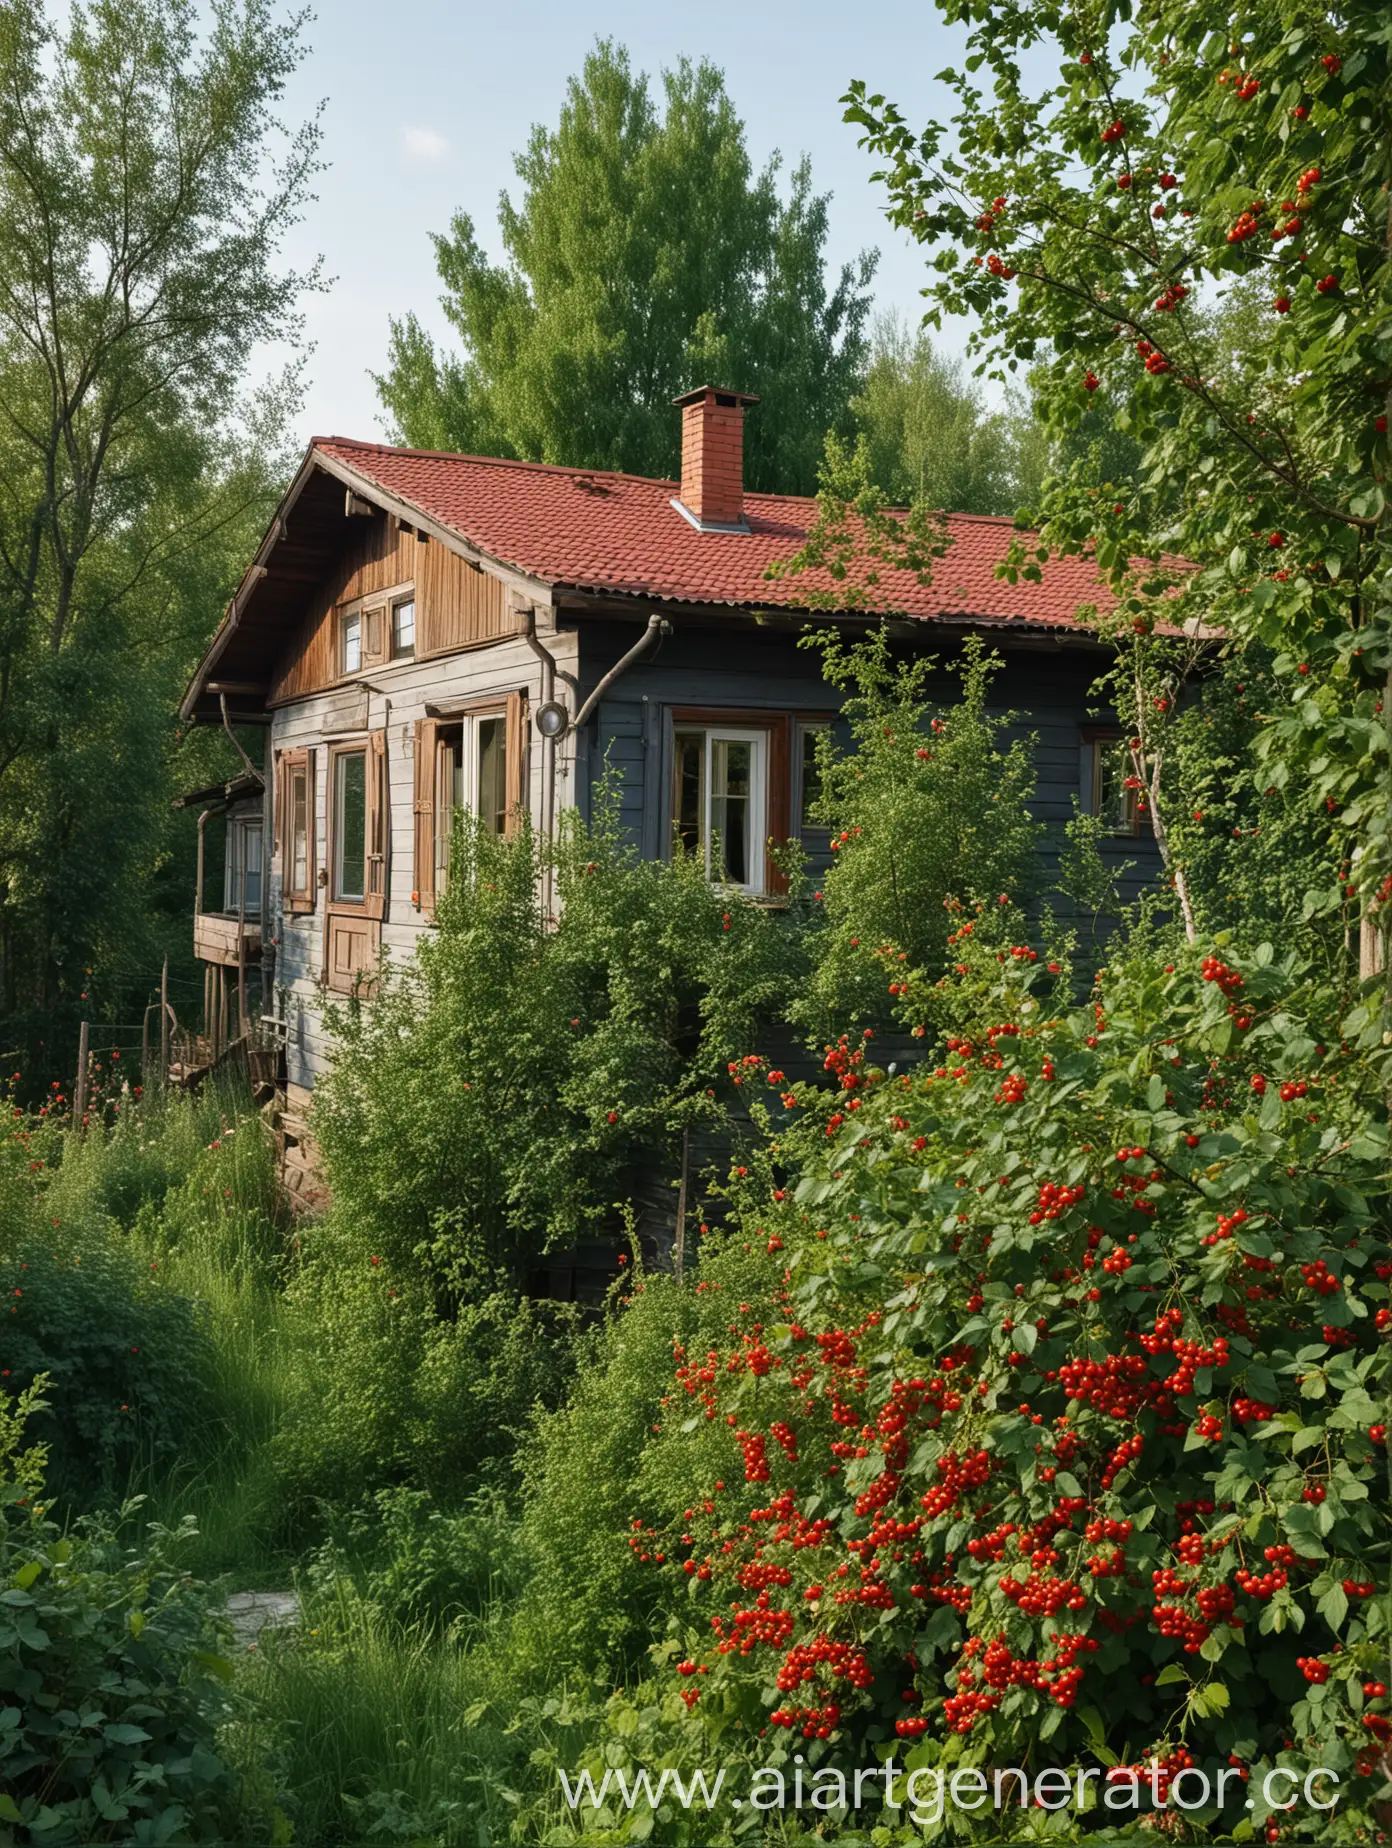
(280, 792)
(516, 765)
(427, 736)
(374, 633)
(307, 899)
(378, 826)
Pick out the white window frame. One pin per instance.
(468, 724)
(398, 653)
(241, 829)
(350, 641)
(758, 739)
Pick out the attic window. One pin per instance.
(403, 629)
(350, 643)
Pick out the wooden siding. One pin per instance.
(476, 676)
(457, 605)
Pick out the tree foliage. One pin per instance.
(644, 255)
(930, 438)
(142, 200)
(1094, 230)
(928, 813)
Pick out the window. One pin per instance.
(476, 761)
(403, 629)
(1109, 770)
(719, 808)
(470, 773)
(242, 867)
(352, 642)
(295, 829)
(809, 783)
(350, 826)
(490, 787)
(298, 869)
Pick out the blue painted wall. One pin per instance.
(762, 669)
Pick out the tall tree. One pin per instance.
(145, 184)
(929, 435)
(645, 256)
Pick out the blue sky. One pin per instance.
(426, 102)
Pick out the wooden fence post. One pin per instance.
(80, 1089)
(164, 1023)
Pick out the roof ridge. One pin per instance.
(519, 462)
(578, 472)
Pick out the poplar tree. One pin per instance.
(643, 255)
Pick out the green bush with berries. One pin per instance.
(1052, 1430)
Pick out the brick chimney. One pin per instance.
(712, 475)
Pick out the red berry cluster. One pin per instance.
(1319, 1278)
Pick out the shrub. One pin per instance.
(126, 1359)
(929, 804)
(417, 1564)
(386, 1389)
(502, 1093)
(1058, 1422)
(109, 1685)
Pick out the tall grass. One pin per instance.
(188, 1184)
(411, 1702)
(416, 1733)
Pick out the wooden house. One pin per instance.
(420, 631)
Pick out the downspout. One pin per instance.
(657, 626)
(548, 756)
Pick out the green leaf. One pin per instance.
(1169, 1674)
(1333, 1606)
(119, 1733)
(9, 1809)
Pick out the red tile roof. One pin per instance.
(590, 530)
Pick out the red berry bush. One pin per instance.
(1054, 1432)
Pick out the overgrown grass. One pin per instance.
(378, 1730)
(181, 1190)
(410, 1702)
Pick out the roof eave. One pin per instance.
(529, 585)
(578, 596)
(252, 576)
